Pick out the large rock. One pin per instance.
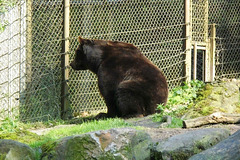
(217, 97)
(225, 96)
(183, 146)
(228, 149)
(119, 144)
(13, 150)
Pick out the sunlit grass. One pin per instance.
(80, 129)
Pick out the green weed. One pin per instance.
(179, 100)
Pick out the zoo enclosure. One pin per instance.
(191, 39)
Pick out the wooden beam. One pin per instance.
(214, 118)
(65, 62)
(187, 43)
(212, 51)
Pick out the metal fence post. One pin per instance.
(212, 51)
(194, 61)
(187, 43)
(65, 62)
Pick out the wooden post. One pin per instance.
(187, 43)
(65, 109)
(212, 51)
(26, 63)
(29, 42)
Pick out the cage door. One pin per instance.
(198, 63)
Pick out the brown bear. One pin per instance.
(131, 85)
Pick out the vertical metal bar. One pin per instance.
(204, 62)
(195, 61)
(20, 59)
(65, 61)
(187, 45)
(8, 65)
(212, 51)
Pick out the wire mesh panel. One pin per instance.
(199, 20)
(11, 45)
(156, 27)
(226, 15)
(41, 98)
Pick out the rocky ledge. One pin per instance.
(128, 143)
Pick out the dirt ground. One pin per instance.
(163, 133)
(152, 128)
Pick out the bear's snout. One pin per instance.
(77, 66)
(72, 64)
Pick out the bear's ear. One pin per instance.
(80, 40)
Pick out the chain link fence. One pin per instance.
(156, 27)
(31, 48)
(41, 98)
(226, 15)
(12, 45)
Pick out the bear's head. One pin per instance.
(88, 54)
(80, 59)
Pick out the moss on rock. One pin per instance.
(19, 135)
(110, 144)
(217, 97)
(10, 149)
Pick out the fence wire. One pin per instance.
(31, 47)
(11, 59)
(156, 27)
(226, 15)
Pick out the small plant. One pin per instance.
(179, 99)
(8, 125)
(5, 4)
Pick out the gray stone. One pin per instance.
(13, 150)
(220, 97)
(183, 146)
(117, 144)
(227, 94)
(144, 122)
(228, 149)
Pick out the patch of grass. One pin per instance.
(20, 135)
(15, 130)
(87, 127)
(176, 123)
(80, 129)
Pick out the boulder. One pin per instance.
(228, 149)
(183, 146)
(217, 97)
(13, 150)
(225, 96)
(119, 144)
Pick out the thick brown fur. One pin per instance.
(131, 85)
